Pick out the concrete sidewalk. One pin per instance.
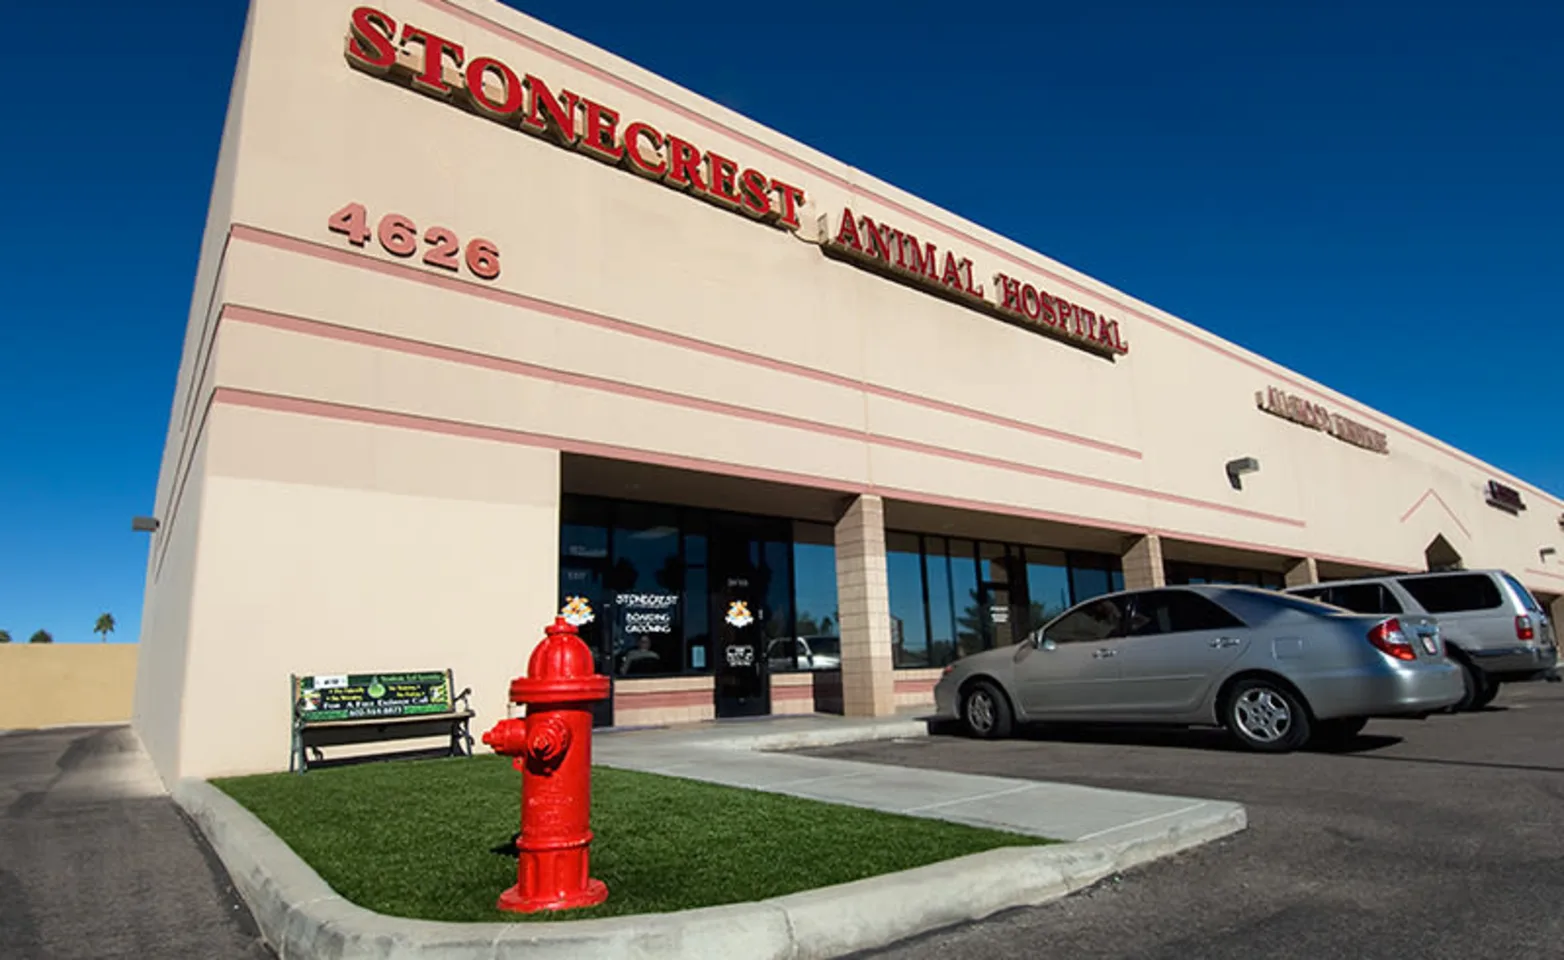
(1111, 831)
(745, 754)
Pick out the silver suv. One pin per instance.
(1492, 625)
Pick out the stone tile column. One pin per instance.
(864, 610)
(1301, 573)
(1142, 561)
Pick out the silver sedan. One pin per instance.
(1272, 668)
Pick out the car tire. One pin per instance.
(1338, 732)
(1490, 690)
(1266, 716)
(1473, 685)
(985, 711)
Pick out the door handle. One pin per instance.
(1104, 654)
(1226, 642)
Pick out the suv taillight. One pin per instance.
(1388, 638)
(1523, 628)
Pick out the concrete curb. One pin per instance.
(302, 917)
(772, 741)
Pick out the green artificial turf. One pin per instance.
(412, 838)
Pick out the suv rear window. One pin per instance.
(1527, 600)
(1364, 598)
(1454, 593)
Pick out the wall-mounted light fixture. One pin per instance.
(144, 524)
(1237, 468)
(1547, 552)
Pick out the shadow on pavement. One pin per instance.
(1479, 764)
(1187, 738)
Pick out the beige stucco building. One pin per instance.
(590, 340)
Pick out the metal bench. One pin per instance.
(346, 709)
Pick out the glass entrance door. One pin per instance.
(998, 596)
(999, 616)
(751, 610)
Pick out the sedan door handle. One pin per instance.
(1225, 642)
(1104, 654)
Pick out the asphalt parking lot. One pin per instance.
(1435, 839)
(97, 863)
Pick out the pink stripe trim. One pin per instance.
(560, 56)
(650, 699)
(335, 411)
(787, 692)
(1431, 492)
(915, 686)
(319, 328)
(347, 258)
(1545, 573)
(318, 408)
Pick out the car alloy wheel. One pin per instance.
(985, 711)
(1266, 717)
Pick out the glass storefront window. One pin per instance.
(909, 623)
(817, 645)
(980, 594)
(636, 578)
(1181, 573)
(814, 578)
(1048, 585)
(942, 611)
(646, 578)
(968, 602)
(697, 596)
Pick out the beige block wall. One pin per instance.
(1142, 563)
(792, 693)
(655, 701)
(863, 604)
(165, 616)
(47, 684)
(332, 547)
(915, 688)
(659, 329)
(635, 252)
(1302, 572)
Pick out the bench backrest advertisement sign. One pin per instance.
(360, 696)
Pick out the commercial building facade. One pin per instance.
(490, 326)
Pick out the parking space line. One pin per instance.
(981, 796)
(1143, 821)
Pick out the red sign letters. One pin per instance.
(492, 89)
(440, 68)
(1289, 407)
(899, 254)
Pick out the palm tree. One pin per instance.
(105, 626)
(42, 636)
(5, 636)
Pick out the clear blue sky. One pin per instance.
(1367, 192)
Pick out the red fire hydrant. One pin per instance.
(552, 747)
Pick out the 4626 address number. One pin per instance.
(399, 237)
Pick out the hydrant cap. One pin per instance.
(561, 668)
(561, 655)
